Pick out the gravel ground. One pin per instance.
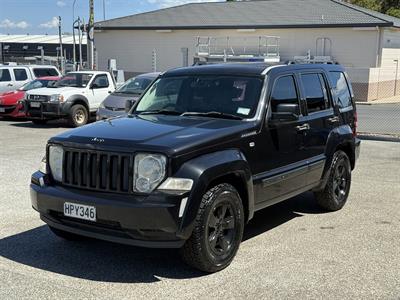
(290, 250)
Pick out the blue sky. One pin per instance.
(40, 16)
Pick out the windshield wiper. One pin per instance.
(160, 112)
(213, 114)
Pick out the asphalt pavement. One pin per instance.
(290, 250)
(379, 118)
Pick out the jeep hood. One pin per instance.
(51, 91)
(168, 134)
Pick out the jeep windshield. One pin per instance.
(74, 80)
(231, 97)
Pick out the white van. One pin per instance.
(13, 77)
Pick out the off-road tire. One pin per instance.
(197, 251)
(78, 116)
(39, 122)
(328, 198)
(66, 235)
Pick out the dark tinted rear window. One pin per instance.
(20, 74)
(5, 75)
(284, 92)
(42, 72)
(339, 84)
(316, 96)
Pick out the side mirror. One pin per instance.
(285, 112)
(129, 104)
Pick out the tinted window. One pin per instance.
(315, 92)
(284, 92)
(43, 72)
(5, 75)
(226, 94)
(134, 85)
(101, 81)
(20, 74)
(339, 84)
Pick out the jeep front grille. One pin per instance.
(39, 97)
(98, 170)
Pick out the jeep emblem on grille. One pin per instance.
(97, 140)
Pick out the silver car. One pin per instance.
(122, 99)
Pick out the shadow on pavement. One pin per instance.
(108, 262)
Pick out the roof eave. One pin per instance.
(383, 24)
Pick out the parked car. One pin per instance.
(202, 150)
(13, 77)
(12, 104)
(123, 98)
(75, 96)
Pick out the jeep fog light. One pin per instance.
(56, 154)
(42, 166)
(176, 184)
(149, 171)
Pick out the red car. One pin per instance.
(10, 102)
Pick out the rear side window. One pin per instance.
(20, 74)
(5, 75)
(43, 72)
(315, 92)
(284, 92)
(339, 84)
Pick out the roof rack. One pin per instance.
(237, 49)
(309, 59)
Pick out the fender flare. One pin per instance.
(74, 99)
(339, 138)
(204, 170)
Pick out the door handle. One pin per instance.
(303, 127)
(333, 119)
(10, 84)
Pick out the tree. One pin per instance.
(389, 7)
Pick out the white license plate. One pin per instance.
(2, 109)
(35, 104)
(80, 211)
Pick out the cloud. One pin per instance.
(6, 23)
(53, 23)
(61, 3)
(169, 3)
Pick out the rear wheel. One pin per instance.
(79, 115)
(336, 191)
(66, 235)
(218, 230)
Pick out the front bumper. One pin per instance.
(14, 111)
(146, 221)
(46, 110)
(103, 113)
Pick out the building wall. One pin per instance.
(391, 38)
(371, 84)
(351, 47)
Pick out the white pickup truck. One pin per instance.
(75, 96)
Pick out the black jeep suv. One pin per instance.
(201, 151)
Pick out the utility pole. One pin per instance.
(104, 9)
(61, 46)
(73, 35)
(90, 35)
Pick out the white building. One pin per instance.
(367, 43)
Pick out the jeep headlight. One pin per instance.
(149, 171)
(56, 98)
(56, 154)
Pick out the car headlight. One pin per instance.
(43, 165)
(56, 98)
(149, 171)
(56, 154)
